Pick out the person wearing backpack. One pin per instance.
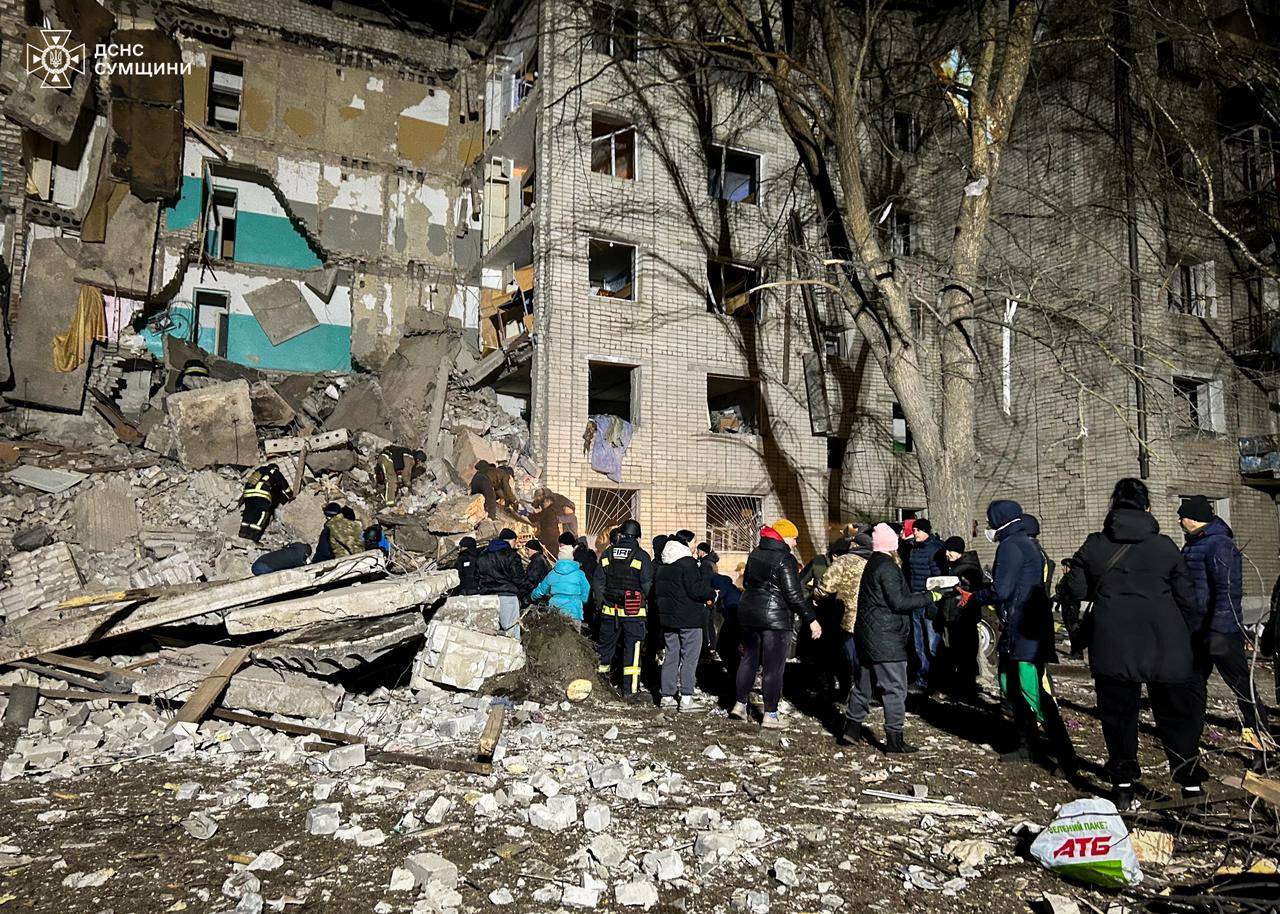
(1139, 632)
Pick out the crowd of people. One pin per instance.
(892, 611)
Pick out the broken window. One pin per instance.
(730, 288)
(614, 28)
(1164, 54)
(1193, 289)
(1198, 403)
(905, 136)
(612, 269)
(902, 443)
(611, 390)
(734, 174)
(226, 83)
(1251, 161)
(613, 146)
(733, 521)
(213, 311)
(733, 405)
(606, 510)
(898, 231)
(221, 239)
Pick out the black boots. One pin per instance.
(894, 743)
(852, 734)
(1123, 795)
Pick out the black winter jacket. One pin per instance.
(1144, 607)
(922, 562)
(468, 572)
(684, 589)
(1017, 591)
(882, 630)
(499, 570)
(1217, 569)
(771, 591)
(537, 569)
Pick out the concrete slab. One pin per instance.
(105, 515)
(51, 481)
(281, 310)
(329, 648)
(214, 425)
(121, 263)
(463, 658)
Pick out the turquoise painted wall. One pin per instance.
(325, 347)
(260, 238)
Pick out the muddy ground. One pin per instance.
(126, 819)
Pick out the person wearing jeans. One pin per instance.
(771, 597)
(683, 588)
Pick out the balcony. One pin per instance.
(1260, 463)
(1256, 216)
(1255, 344)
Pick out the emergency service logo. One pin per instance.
(55, 59)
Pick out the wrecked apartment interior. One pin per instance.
(305, 233)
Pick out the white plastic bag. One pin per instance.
(1089, 842)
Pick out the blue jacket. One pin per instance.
(567, 586)
(1218, 571)
(1017, 590)
(922, 562)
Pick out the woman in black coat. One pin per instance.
(1140, 631)
(771, 597)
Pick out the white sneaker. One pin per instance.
(739, 711)
(688, 703)
(668, 702)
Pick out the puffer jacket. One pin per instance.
(922, 562)
(500, 571)
(1217, 569)
(567, 588)
(1144, 606)
(771, 592)
(882, 629)
(842, 580)
(683, 587)
(1017, 591)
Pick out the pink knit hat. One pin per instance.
(883, 539)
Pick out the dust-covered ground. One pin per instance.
(112, 839)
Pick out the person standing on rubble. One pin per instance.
(771, 597)
(482, 485)
(565, 585)
(465, 565)
(684, 592)
(841, 581)
(1217, 567)
(265, 489)
(1019, 593)
(1140, 630)
(395, 469)
(624, 579)
(500, 572)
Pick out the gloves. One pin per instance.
(936, 594)
(963, 596)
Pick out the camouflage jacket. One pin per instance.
(842, 580)
(346, 536)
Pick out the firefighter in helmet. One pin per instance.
(623, 580)
(264, 490)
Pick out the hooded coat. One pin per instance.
(922, 562)
(882, 629)
(1217, 569)
(1017, 589)
(1144, 605)
(500, 571)
(567, 588)
(771, 591)
(683, 587)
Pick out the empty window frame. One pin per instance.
(1197, 403)
(612, 269)
(906, 137)
(733, 405)
(614, 29)
(734, 174)
(221, 236)
(899, 233)
(612, 390)
(1164, 54)
(730, 288)
(733, 521)
(901, 432)
(613, 146)
(213, 311)
(226, 84)
(606, 509)
(1193, 289)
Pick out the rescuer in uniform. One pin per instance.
(623, 580)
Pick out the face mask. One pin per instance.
(990, 535)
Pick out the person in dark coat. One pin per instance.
(771, 597)
(882, 642)
(481, 484)
(1018, 593)
(294, 555)
(684, 592)
(538, 565)
(466, 566)
(708, 558)
(921, 554)
(1217, 569)
(955, 667)
(726, 636)
(1140, 630)
(624, 586)
(499, 571)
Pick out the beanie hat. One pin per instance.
(332, 509)
(533, 544)
(565, 552)
(686, 536)
(1197, 508)
(467, 542)
(506, 533)
(954, 544)
(568, 539)
(883, 539)
(922, 523)
(785, 528)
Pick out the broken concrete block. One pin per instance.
(750, 901)
(430, 867)
(401, 880)
(785, 872)
(324, 820)
(282, 311)
(214, 425)
(380, 598)
(463, 658)
(663, 865)
(469, 448)
(321, 441)
(609, 851)
(749, 831)
(597, 817)
(105, 514)
(270, 410)
(576, 896)
(638, 894)
(345, 757)
(556, 814)
(714, 846)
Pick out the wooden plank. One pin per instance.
(422, 761)
(84, 665)
(209, 691)
(1262, 787)
(250, 720)
(51, 630)
(492, 732)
